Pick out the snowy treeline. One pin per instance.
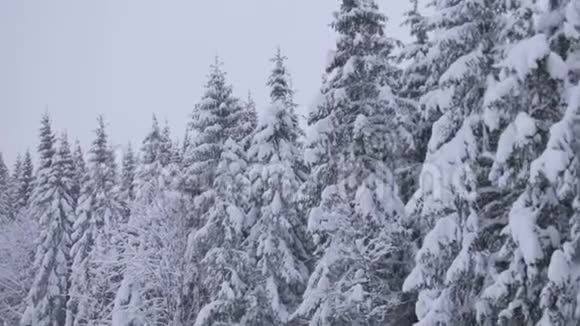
(437, 183)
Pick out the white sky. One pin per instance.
(128, 59)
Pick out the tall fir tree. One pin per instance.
(252, 114)
(26, 182)
(218, 116)
(6, 202)
(17, 170)
(560, 295)
(152, 144)
(128, 174)
(415, 76)
(80, 172)
(155, 241)
(413, 84)
(52, 206)
(14, 183)
(528, 103)
(166, 145)
(94, 273)
(156, 152)
(277, 237)
(18, 239)
(451, 229)
(225, 268)
(361, 244)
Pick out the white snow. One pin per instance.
(522, 222)
(349, 67)
(360, 123)
(443, 129)
(236, 217)
(559, 268)
(365, 205)
(357, 293)
(559, 153)
(518, 134)
(557, 68)
(441, 98)
(523, 57)
(572, 25)
(494, 92)
(461, 263)
(445, 232)
(460, 67)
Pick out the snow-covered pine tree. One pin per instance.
(252, 114)
(186, 142)
(17, 247)
(415, 75)
(6, 201)
(560, 296)
(224, 267)
(154, 253)
(26, 182)
(156, 154)
(539, 66)
(80, 172)
(128, 174)
(357, 211)
(95, 266)
(17, 170)
(414, 83)
(218, 116)
(277, 238)
(154, 264)
(52, 206)
(152, 144)
(176, 154)
(16, 173)
(446, 211)
(166, 145)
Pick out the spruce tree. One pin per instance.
(356, 215)
(276, 239)
(527, 104)
(415, 76)
(17, 170)
(452, 229)
(26, 182)
(14, 183)
(80, 172)
(151, 149)
(218, 116)
(94, 274)
(128, 173)
(225, 268)
(156, 154)
(251, 113)
(414, 83)
(559, 298)
(6, 207)
(18, 239)
(155, 236)
(51, 205)
(166, 145)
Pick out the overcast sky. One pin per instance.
(128, 59)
